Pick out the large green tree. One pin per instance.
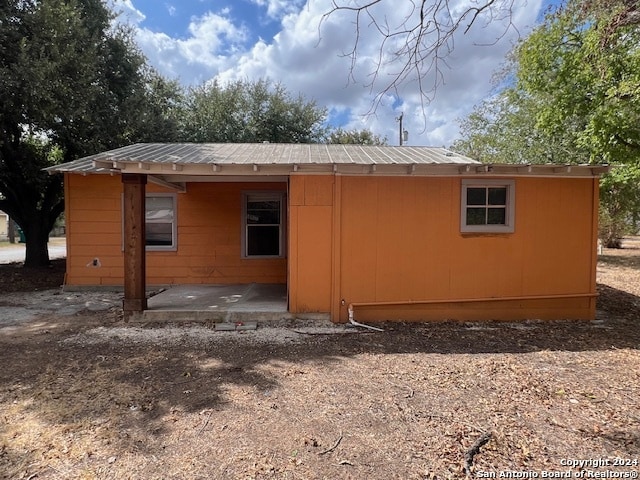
(573, 96)
(504, 129)
(71, 84)
(583, 67)
(244, 111)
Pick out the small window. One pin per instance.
(487, 206)
(263, 225)
(160, 225)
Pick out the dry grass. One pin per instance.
(82, 398)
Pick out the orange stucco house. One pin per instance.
(382, 233)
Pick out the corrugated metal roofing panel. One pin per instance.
(264, 154)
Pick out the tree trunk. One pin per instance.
(11, 227)
(37, 239)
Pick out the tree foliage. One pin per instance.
(243, 111)
(574, 98)
(504, 129)
(71, 84)
(620, 198)
(587, 75)
(358, 137)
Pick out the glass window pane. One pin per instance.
(498, 196)
(497, 216)
(159, 209)
(476, 196)
(487, 205)
(159, 218)
(476, 216)
(263, 205)
(263, 240)
(159, 234)
(264, 217)
(265, 212)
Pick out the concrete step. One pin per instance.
(213, 316)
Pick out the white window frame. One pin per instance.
(174, 224)
(270, 195)
(509, 226)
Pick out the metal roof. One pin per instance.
(262, 154)
(204, 161)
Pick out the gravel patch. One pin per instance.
(198, 335)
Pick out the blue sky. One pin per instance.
(195, 41)
(173, 18)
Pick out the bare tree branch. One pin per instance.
(418, 47)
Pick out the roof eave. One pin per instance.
(436, 169)
(204, 170)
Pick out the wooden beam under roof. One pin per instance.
(179, 187)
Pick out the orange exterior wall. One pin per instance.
(400, 240)
(391, 239)
(354, 239)
(209, 235)
(310, 242)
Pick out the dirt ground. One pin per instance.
(82, 396)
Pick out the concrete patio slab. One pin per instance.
(235, 304)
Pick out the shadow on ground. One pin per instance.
(133, 385)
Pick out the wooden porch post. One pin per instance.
(135, 298)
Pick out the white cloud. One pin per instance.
(212, 43)
(127, 12)
(276, 9)
(310, 60)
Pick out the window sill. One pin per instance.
(486, 234)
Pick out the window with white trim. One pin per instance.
(487, 206)
(160, 222)
(263, 224)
